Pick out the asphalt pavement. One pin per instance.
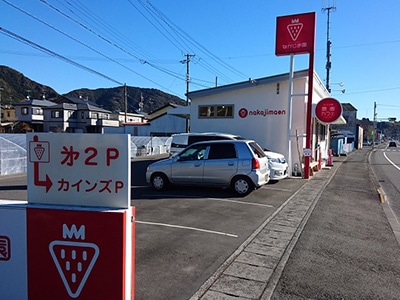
(331, 240)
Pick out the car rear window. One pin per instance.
(257, 150)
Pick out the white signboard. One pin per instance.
(307, 152)
(13, 261)
(79, 169)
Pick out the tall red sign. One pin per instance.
(295, 34)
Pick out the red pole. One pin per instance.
(308, 118)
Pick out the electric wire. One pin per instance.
(52, 53)
(143, 61)
(181, 34)
(83, 44)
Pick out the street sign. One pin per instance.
(307, 152)
(79, 169)
(328, 110)
(295, 34)
(80, 254)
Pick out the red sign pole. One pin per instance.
(308, 118)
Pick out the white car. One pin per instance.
(277, 165)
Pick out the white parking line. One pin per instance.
(189, 228)
(239, 202)
(276, 189)
(168, 196)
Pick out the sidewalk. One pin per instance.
(331, 240)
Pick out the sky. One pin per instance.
(75, 44)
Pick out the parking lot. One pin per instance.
(184, 234)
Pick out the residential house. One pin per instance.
(65, 114)
(31, 112)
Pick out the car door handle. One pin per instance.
(197, 165)
(231, 164)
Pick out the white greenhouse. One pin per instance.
(12, 154)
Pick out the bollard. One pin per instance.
(330, 158)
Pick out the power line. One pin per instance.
(77, 41)
(185, 37)
(142, 61)
(52, 53)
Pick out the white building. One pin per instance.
(259, 109)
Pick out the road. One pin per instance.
(385, 163)
(184, 234)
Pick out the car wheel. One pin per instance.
(242, 185)
(159, 181)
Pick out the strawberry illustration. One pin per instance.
(39, 150)
(74, 262)
(294, 30)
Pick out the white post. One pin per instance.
(289, 126)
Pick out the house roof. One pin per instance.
(87, 106)
(247, 84)
(36, 102)
(348, 107)
(77, 104)
(75, 100)
(70, 106)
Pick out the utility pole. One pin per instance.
(126, 102)
(374, 130)
(1, 89)
(187, 62)
(328, 45)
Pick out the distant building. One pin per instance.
(65, 114)
(351, 128)
(157, 123)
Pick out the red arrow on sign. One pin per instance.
(47, 183)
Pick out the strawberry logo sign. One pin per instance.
(294, 30)
(295, 34)
(39, 150)
(74, 260)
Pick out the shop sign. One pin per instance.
(328, 110)
(295, 34)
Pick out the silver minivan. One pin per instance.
(239, 164)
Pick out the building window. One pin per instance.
(216, 111)
(55, 114)
(24, 110)
(37, 111)
(71, 114)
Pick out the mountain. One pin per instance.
(113, 98)
(16, 86)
